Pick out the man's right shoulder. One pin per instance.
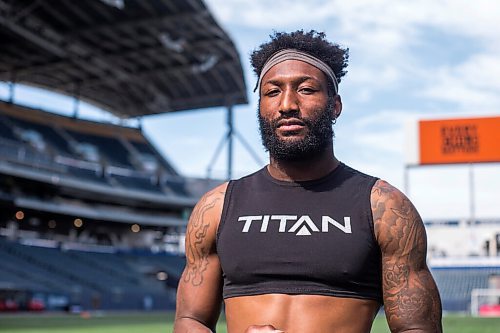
(208, 210)
(216, 194)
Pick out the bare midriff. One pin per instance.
(301, 313)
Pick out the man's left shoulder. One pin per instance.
(393, 213)
(386, 196)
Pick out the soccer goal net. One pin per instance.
(485, 302)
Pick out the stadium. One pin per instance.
(93, 216)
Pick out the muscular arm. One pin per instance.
(411, 298)
(199, 294)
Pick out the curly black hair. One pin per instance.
(312, 42)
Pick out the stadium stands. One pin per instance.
(122, 279)
(119, 280)
(90, 213)
(463, 238)
(46, 133)
(108, 154)
(111, 149)
(455, 284)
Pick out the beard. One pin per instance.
(318, 138)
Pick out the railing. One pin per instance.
(19, 153)
(23, 154)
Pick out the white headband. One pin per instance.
(293, 54)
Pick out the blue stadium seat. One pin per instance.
(122, 280)
(455, 284)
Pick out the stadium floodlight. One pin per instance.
(20, 215)
(169, 43)
(161, 276)
(78, 223)
(135, 228)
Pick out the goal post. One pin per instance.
(485, 302)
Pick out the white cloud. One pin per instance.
(376, 142)
(385, 76)
(474, 84)
(269, 14)
(478, 18)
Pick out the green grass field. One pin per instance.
(162, 323)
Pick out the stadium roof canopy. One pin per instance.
(129, 57)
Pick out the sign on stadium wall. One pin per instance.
(447, 141)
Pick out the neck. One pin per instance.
(310, 169)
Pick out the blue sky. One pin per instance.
(409, 60)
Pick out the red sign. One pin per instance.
(468, 140)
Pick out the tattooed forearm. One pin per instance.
(411, 299)
(197, 247)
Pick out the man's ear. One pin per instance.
(337, 106)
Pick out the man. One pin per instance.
(307, 244)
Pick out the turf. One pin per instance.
(162, 322)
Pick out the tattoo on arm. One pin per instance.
(197, 251)
(411, 298)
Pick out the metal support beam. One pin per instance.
(139, 123)
(406, 180)
(25, 11)
(216, 155)
(228, 138)
(76, 102)
(12, 86)
(34, 37)
(472, 203)
(248, 148)
(472, 189)
(229, 142)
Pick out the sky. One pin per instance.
(409, 60)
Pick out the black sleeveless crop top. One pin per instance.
(312, 237)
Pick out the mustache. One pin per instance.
(275, 122)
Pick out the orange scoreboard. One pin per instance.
(466, 140)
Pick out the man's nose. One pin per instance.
(289, 102)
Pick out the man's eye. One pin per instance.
(307, 90)
(272, 93)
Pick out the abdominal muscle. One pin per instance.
(301, 313)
